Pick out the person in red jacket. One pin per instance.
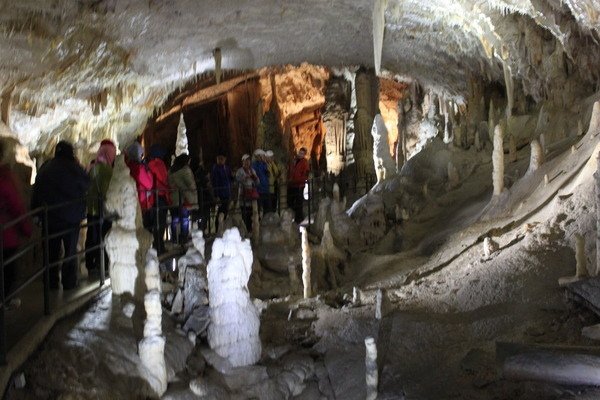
(160, 186)
(141, 175)
(297, 176)
(12, 206)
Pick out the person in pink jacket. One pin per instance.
(12, 206)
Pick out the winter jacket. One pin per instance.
(220, 178)
(161, 179)
(183, 180)
(274, 175)
(143, 182)
(100, 175)
(247, 180)
(61, 180)
(263, 175)
(298, 173)
(12, 207)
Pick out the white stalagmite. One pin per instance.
(122, 242)
(382, 159)
(537, 156)
(581, 262)
(489, 247)
(594, 127)
(305, 263)
(235, 322)
(181, 145)
(152, 346)
(510, 88)
(372, 374)
(378, 32)
(498, 160)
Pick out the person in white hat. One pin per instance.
(248, 182)
(274, 177)
(260, 166)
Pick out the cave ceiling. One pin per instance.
(91, 68)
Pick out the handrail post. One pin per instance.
(101, 231)
(2, 298)
(46, 260)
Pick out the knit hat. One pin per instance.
(269, 153)
(245, 157)
(259, 152)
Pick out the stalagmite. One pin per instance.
(332, 255)
(546, 180)
(378, 32)
(355, 295)
(581, 270)
(512, 149)
(181, 144)
(537, 156)
(594, 127)
(235, 323)
(372, 373)
(127, 236)
(152, 346)
(498, 160)
(382, 159)
(305, 263)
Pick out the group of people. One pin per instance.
(259, 181)
(62, 183)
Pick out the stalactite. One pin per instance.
(498, 160)
(378, 32)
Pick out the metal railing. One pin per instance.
(41, 215)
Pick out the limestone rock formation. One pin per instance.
(381, 150)
(233, 332)
(127, 239)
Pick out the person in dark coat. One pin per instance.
(220, 178)
(62, 180)
(12, 207)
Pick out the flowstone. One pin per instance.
(233, 331)
(279, 245)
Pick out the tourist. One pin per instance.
(62, 184)
(220, 177)
(298, 174)
(260, 167)
(141, 175)
(185, 197)
(274, 176)
(100, 174)
(248, 182)
(12, 207)
(161, 192)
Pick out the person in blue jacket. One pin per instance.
(262, 170)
